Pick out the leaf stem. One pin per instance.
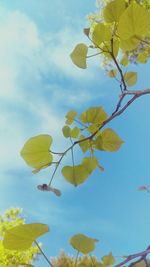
(44, 255)
(76, 259)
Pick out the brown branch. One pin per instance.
(133, 256)
(117, 65)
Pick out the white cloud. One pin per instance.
(26, 58)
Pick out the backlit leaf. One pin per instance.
(101, 33)
(21, 237)
(135, 21)
(142, 57)
(75, 132)
(130, 78)
(85, 145)
(83, 243)
(94, 115)
(124, 61)
(70, 116)
(114, 10)
(108, 140)
(79, 55)
(108, 260)
(66, 131)
(36, 151)
(90, 164)
(75, 174)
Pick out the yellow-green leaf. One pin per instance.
(66, 131)
(85, 145)
(21, 237)
(79, 55)
(36, 151)
(129, 44)
(142, 57)
(114, 10)
(83, 243)
(130, 78)
(135, 21)
(94, 115)
(90, 164)
(101, 33)
(75, 132)
(108, 140)
(124, 61)
(108, 260)
(75, 174)
(70, 116)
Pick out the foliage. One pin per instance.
(69, 261)
(119, 35)
(13, 258)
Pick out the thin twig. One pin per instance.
(76, 259)
(42, 252)
(132, 257)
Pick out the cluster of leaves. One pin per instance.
(119, 32)
(14, 258)
(83, 261)
(20, 238)
(38, 154)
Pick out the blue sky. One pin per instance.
(38, 85)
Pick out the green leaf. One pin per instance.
(83, 243)
(101, 33)
(114, 10)
(79, 55)
(124, 61)
(108, 260)
(90, 164)
(130, 78)
(70, 116)
(108, 140)
(78, 174)
(75, 132)
(135, 21)
(85, 145)
(94, 115)
(75, 174)
(142, 57)
(66, 131)
(129, 44)
(21, 237)
(36, 151)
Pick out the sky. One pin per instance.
(38, 85)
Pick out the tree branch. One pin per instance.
(142, 254)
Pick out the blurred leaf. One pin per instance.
(108, 140)
(70, 116)
(135, 21)
(83, 243)
(21, 237)
(94, 115)
(112, 73)
(114, 10)
(66, 131)
(130, 78)
(108, 260)
(101, 33)
(75, 132)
